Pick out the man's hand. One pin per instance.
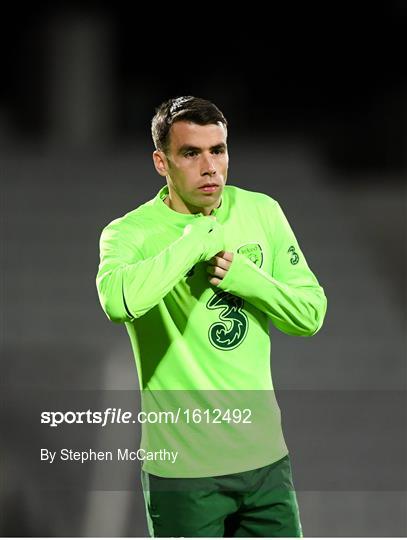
(218, 266)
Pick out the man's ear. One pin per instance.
(160, 162)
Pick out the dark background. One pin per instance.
(336, 77)
(316, 102)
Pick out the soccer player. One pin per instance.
(196, 274)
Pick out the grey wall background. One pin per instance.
(318, 123)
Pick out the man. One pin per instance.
(196, 274)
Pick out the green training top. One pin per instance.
(203, 352)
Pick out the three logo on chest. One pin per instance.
(231, 328)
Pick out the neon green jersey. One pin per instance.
(200, 347)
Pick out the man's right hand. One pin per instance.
(209, 232)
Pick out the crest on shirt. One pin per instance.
(252, 251)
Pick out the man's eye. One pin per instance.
(190, 154)
(219, 151)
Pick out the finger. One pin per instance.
(222, 263)
(228, 255)
(214, 281)
(216, 271)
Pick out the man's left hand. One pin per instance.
(218, 266)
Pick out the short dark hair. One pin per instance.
(189, 108)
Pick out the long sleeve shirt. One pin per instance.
(205, 348)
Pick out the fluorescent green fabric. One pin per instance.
(210, 344)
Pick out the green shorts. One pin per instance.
(261, 502)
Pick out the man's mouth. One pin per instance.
(210, 187)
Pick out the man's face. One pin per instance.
(197, 164)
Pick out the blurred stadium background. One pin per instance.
(317, 111)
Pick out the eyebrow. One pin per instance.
(188, 147)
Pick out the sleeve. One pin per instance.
(129, 284)
(290, 294)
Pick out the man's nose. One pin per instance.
(208, 166)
